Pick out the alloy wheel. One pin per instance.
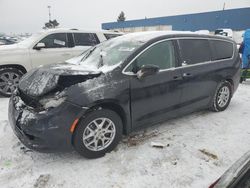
(223, 96)
(9, 82)
(99, 134)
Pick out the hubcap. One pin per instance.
(99, 134)
(9, 82)
(223, 96)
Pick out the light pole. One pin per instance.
(49, 12)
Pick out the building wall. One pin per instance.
(145, 28)
(236, 19)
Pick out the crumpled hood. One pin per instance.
(41, 81)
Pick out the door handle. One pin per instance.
(186, 75)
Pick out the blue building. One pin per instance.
(235, 19)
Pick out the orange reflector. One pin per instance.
(73, 126)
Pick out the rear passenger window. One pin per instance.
(85, 39)
(221, 49)
(194, 51)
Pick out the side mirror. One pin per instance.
(147, 70)
(39, 46)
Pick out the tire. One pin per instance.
(222, 97)
(9, 79)
(83, 141)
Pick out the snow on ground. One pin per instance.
(224, 137)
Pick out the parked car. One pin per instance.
(237, 176)
(237, 36)
(4, 41)
(122, 85)
(45, 47)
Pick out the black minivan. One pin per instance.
(123, 84)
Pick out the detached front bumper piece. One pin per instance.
(46, 131)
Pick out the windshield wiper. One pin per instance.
(88, 54)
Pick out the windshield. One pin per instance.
(109, 54)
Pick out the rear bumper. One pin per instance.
(47, 131)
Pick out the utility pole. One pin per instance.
(224, 6)
(49, 12)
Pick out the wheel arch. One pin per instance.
(111, 105)
(15, 66)
(231, 82)
(114, 106)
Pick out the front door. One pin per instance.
(56, 50)
(155, 97)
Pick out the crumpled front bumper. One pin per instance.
(46, 131)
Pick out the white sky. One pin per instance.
(19, 16)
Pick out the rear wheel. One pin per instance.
(222, 97)
(9, 79)
(98, 133)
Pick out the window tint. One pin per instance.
(194, 51)
(161, 55)
(221, 49)
(56, 40)
(110, 36)
(85, 39)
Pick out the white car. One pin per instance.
(45, 47)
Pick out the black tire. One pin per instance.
(4, 75)
(215, 106)
(78, 134)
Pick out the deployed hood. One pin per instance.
(43, 80)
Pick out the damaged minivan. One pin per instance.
(122, 85)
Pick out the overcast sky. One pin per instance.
(19, 16)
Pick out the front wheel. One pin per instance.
(222, 97)
(98, 133)
(9, 79)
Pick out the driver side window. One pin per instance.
(56, 40)
(161, 55)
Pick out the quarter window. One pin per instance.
(85, 39)
(221, 49)
(161, 55)
(56, 40)
(194, 51)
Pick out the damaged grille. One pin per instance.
(30, 101)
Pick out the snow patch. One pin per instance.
(52, 103)
(26, 116)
